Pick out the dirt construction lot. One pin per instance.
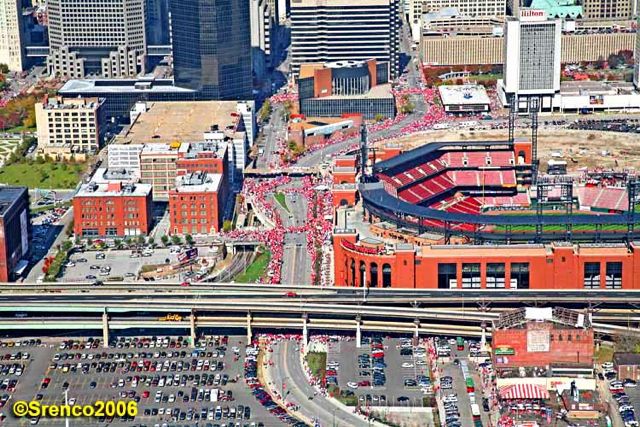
(579, 148)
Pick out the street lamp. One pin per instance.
(66, 402)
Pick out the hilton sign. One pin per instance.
(532, 15)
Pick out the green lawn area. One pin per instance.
(317, 363)
(19, 129)
(42, 175)
(280, 197)
(256, 270)
(604, 354)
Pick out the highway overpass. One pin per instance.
(138, 306)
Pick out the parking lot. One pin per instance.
(89, 265)
(460, 383)
(172, 383)
(377, 373)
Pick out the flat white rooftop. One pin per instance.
(463, 95)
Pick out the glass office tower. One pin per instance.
(212, 48)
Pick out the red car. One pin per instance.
(145, 394)
(364, 383)
(291, 294)
(185, 284)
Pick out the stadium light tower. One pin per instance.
(534, 107)
(364, 153)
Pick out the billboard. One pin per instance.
(538, 340)
(504, 350)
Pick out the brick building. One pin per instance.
(552, 266)
(207, 157)
(627, 365)
(196, 205)
(15, 232)
(344, 173)
(541, 337)
(113, 205)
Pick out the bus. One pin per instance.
(460, 343)
(470, 386)
(475, 411)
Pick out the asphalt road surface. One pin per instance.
(287, 370)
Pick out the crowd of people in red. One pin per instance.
(317, 226)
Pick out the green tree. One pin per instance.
(151, 241)
(141, 240)
(227, 226)
(67, 245)
(89, 241)
(379, 117)
(189, 239)
(164, 239)
(265, 110)
(118, 243)
(176, 240)
(4, 68)
(78, 240)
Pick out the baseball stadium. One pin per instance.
(487, 191)
(483, 215)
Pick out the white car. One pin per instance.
(607, 366)
(407, 365)
(352, 385)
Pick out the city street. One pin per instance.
(287, 371)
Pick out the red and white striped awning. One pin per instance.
(524, 391)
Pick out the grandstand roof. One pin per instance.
(374, 193)
(420, 152)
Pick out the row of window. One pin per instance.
(613, 275)
(472, 277)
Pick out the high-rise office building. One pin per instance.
(339, 30)
(609, 9)
(212, 47)
(263, 26)
(94, 37)
(11, 35)
(531, 59)
(157, 22)
(473, 8)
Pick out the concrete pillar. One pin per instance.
(249, 334)
(416, 332)
(358, 332)
(192, 328)
(483, 337)
(305, 330)
(105, 329)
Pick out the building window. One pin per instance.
(614, 275)
(112, 232)
(591, 275)
(374, 274)
(471, 275)
(447, 276)
(89, 232)
(363, 273)
(386, 276)
(495, 275)
(520, 275)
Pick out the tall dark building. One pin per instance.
(212, 47)
(15, 231)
